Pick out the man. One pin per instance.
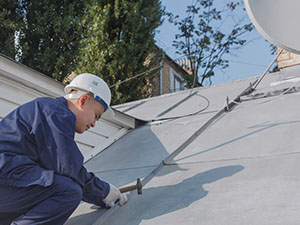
(42, 177)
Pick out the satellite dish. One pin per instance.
(278, 21)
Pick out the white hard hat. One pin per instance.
(91, 83)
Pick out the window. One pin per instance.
(177, 83)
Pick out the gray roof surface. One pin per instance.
(242, 168)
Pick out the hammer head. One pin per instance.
(139, 186)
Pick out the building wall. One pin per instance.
(162, 84)
(287, 59)
(165, 78)
(156, 85)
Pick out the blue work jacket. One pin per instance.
(37, 141)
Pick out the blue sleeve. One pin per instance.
(58, 151)
(95, 190)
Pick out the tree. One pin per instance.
(119, 35)
(274, 50)
(9, 25)
(204, 39)
(49, 37)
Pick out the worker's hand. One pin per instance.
(114, 195)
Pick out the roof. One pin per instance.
(20, 84)
(199, 161)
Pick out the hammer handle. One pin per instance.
(129, 188)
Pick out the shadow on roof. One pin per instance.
(178, 196)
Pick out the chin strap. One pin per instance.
(76, 94)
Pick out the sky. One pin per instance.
(251, 60)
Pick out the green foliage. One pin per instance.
(50, 37)
(48, 34)
(205, 40)
(10, 21)
(119, 35)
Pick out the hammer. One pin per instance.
(137, 187)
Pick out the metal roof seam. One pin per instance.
(122, 169)
(274, 94)
(158, 122)
(234, 159)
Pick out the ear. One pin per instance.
(83, 100)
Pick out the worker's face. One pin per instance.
(89, 111)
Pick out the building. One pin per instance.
(171, 77)
(288, 59)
